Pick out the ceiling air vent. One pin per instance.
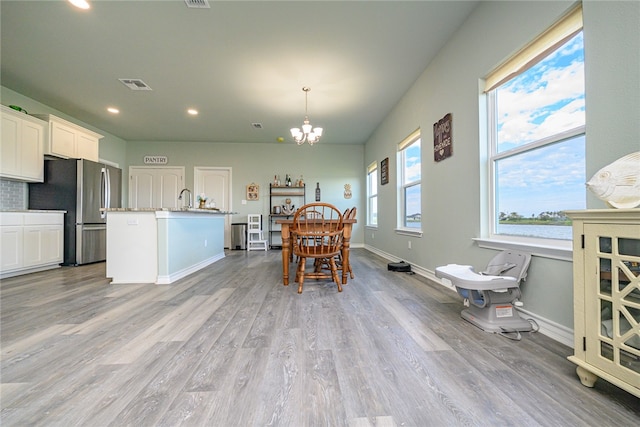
(257, 125)
(135, 84)
(197, 4)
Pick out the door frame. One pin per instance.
(228, 201)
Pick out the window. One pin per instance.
(372, 194)
(409, 173)
(537, 140)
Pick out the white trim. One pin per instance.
(167, 279)
(409, 232)
(549, 328)
(563, 251)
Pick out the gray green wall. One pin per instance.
(454, 195)
(332, 166)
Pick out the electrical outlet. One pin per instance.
(409, 244)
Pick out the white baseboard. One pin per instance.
(167, 279)
(549, 328)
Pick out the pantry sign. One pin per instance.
(155, 160)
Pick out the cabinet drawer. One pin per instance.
(43, 219)
(11, 219)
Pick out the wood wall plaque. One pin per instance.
(442, 138)
(384, 171)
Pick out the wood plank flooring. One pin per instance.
(230, 346)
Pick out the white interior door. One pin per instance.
(155, 186)
(215, 184)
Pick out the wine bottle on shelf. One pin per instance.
(288, 180)
(317, 191)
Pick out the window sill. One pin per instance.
(409, 232)
(561, 251)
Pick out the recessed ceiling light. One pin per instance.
(113, 110)
(192, 111)
(80, 4)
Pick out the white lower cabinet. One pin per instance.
(31, 241)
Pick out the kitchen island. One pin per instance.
(160, 246)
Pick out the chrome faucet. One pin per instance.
(190, 198)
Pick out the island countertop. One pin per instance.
(197, 210)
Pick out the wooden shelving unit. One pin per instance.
(277, 195)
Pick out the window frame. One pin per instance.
(372, 177)
(545, 247)
(406, 143)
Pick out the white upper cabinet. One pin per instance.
(68, 140)
(21, 146)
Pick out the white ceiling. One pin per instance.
(238, 63)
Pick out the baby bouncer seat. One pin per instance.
(490, 295)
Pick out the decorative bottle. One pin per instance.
(288, 180)
(317, 191)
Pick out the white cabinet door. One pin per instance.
(155, 187)
(68, 140)
(52, 244)
(21, 146)
(43, 244)
(10, 145)
(63, 140)
(11, 247)
(32, 242)
(87, 147)
(32, 150)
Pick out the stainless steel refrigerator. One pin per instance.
(82, 188)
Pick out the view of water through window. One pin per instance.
(539, 170)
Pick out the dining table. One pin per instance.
(285, 224)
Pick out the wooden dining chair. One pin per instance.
(324, 264)
(317, 233)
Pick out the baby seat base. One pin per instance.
(490, 296)
(497, 318)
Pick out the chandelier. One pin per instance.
(306, 134)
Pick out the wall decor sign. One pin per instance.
(347, 191)
(155, 160)
(253, 192)
(442, 138)
(384, 171)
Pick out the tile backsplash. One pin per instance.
(13, 195)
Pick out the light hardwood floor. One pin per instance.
(230, 346)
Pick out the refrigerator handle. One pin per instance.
(104, 185)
